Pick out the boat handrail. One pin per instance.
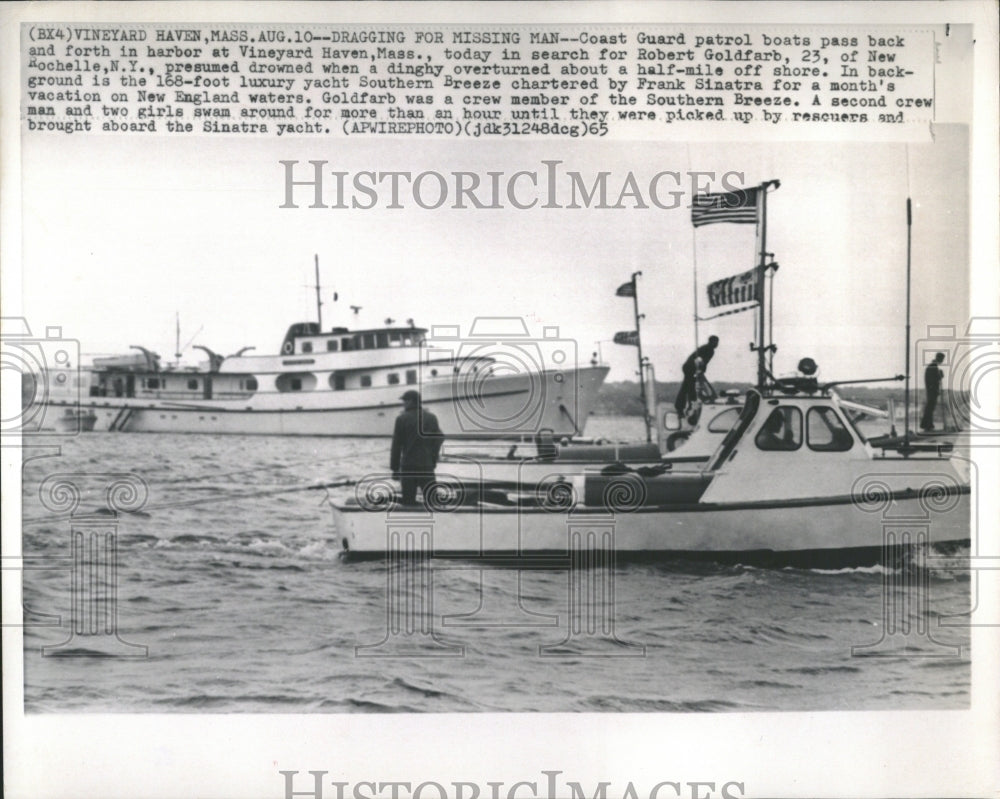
(733, 437)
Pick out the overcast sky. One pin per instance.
(119, 235)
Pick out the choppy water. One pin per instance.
(232, 582)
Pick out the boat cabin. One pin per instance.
(305, 338)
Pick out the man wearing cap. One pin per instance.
(932, 383)
(694, 366)
(416, 442)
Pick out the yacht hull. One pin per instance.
(506, 406)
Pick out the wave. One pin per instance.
(815, 671)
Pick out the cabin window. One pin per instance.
(153, 382)
(307, 346)
(331, 345)
(366, 381)
(393, 379)
(251, 384)
(346, 345)
(782, 431)
(337, 382)
(193, 385)
(724, 422)
(369, 339)
(395, 339)
(383, 340)
(826, 432)
(411, 376)
(301, 381)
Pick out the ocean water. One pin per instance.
(231, 597)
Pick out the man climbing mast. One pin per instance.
(694, 373)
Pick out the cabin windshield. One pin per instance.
(854, 426)
(782, 431)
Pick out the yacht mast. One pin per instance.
(319, 302)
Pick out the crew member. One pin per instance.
(693, 368)
(416, 443)
(932, 383)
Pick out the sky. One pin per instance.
(121, 237)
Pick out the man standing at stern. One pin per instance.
(416, 443)
(932, 384)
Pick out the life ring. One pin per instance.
(287, 348)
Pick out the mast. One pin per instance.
(642, 364)
(177, 337)
(762, 265)
(319, 302)
(906, 390)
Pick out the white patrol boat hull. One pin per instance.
(814, 496)
(817, 528)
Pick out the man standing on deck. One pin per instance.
(693, 367)
(932, 383)
(416, 443)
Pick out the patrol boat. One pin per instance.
(794, 477)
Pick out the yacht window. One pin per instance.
(825, 431)
(331, 345)
(366, 381)
(782, 431)
(337, 382)
(395, 339)
(369, 341)
(411, 376)
(300, 381)
(307, 346)
(345, 345)
(193, 384)
(393, 379)
(383, 340)
(723, 422)
(153, 382)
(251, 384)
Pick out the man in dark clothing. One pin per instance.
(416, 442)
(692, 368)
(932, 383)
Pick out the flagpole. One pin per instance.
(638, 342)
(319, 302)
(694, 251)
(906, 393)
(762, 347)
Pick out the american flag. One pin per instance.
(733, 206)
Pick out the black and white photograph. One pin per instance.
(500, 400)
